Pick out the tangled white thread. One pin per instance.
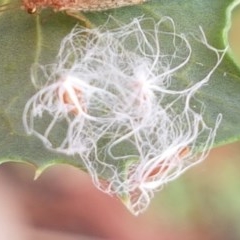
(113, 100)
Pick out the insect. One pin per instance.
(72, 7)
(33, 6)
(71, 95)
(163, 167)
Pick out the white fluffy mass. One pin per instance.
(112, 99)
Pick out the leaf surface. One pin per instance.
(27, 39)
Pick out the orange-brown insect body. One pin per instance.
(160, 168)
(32, 6)
(67, 100)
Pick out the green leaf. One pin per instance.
(27, 39)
